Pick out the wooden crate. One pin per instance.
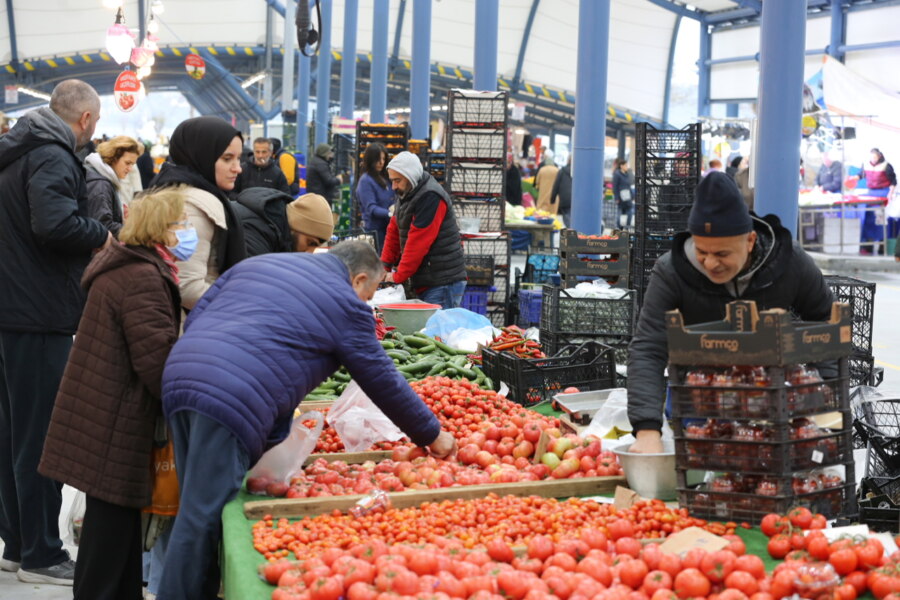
(549, 488)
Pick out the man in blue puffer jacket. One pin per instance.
(259, 340)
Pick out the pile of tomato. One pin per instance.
(859, 562)
(574, 551)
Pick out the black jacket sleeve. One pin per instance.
(648, 352)
(554, 192)
(55, 220)
(281, 183)
(101, 199)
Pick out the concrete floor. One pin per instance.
(885, 348)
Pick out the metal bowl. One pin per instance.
(650, 475)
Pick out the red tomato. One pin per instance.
(361, 591)
(732, 594)
(752, 564)
(512, 585)
(800, 517)
(500, 551)
(632, 573)
(571, 390)
(540, 547)
(629, 546)
(743, 581)
(691, 583)
(620, 528)
(596, 569)
(656, 580)
(717, 565)
(670, 563)
(858, 580)
(664, 594)
(845, 591)
(651, 555)
(779, 546)
(771, 524)
(844, 561)
(327, 588)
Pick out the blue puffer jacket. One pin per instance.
(270, 330)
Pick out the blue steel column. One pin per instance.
(348, 63)
(732, 109)
(420, 75)
(487, 19)
(287, 67)
(782, 51)
(323, 76)
(378, 78)
(590, 115)
(837, 30)
(303, 68)
(704, 69)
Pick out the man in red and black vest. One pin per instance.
(423, 240)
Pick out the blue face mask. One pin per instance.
(187, 243)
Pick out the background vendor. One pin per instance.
(727, 254)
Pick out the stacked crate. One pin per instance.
(480, 253)
(437, 166)
(476, 155)
(860, 295)
(394, 138)
(744, 404)
(668, 164)
(583, 258)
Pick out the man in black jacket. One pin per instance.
(726, 254)
(262, 170)
(319, 178)
(47, 241)
(273, 222)
(561, 195)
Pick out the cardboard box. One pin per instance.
(767, 338)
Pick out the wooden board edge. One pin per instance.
(351, 458)
(551, 488)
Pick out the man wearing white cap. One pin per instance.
(423, 240)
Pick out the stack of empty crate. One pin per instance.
(475, 166)
(584, 258)
(394, 138)
(860, 295)
(667, 168)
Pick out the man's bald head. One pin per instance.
(78, 104)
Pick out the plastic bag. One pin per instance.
(388, 295)
(611, 420)
(75, 518)
(359, 422)
(444, 322)
(469, 339)
(284, 461)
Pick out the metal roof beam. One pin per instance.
(738, 14)
(398, 31)
(13, 46)
(751, 4)
(523, 46)
(276, 6)
(232, 84)
(678, 9)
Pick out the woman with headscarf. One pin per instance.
(205, 154)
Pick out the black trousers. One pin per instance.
(109, 565)
(31, 367)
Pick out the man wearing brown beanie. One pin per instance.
(311, 222)
(728, 253)
(272, 222)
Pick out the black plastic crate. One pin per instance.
(759, 447)
(669, 141)
(567, 280)
(495, 246)
(476, 145)
(491, 213)
(529, 308)
(497, 314)
(663, 209)
(572, 242)
(877, 510)
(553, 342)
(594, 266)
(864, 372)
(881, 413)
(563, 313)
(480, 270)
(751, 393)
(500, 293)
(474, 180)
(860, 295)
(589, 366)
(736, 506)
(645, 251)
(470, 108)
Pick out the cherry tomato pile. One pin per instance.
(512, 339)
(329, 441)
(472, 522)
(847, 567)
(574, 551)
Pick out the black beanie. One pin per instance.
(719, 210)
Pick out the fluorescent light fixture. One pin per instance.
(253, 79)
(34, 93)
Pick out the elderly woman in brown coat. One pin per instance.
(101, 433)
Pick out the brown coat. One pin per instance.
(543, 182)
(101, 431)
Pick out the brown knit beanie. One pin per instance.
(310, 214)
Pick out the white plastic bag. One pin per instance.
(612, 415)
(388, 295)
(359, 422)
(468, 339)
(282, 462)
(75, 519)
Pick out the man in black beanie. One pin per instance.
(727, 253)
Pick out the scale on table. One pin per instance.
(581, 406)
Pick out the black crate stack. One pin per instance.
(476, 155)
(584, 258)
(492, 253)
(395, 138)
(668, 164)
(860, 295)
(437, 166)
(744, 402)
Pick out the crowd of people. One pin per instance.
(195, 314)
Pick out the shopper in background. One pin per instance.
(513, 181)
(543, 182)
(423, 241)
(880, 182)
(205, 155)
(734, 166)
(830, 177)
(714, 165)
(101, 434)
(273, 222)
(105, 172)
(742, 179)
(307, 316)
(374, 193)
(47, 241)
(146, 166)
(261, 171)
(623, 191)
(726, 254)
(319, 177)
(561, 196)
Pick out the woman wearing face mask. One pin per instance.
(106, 170)
(101, 432)
(205, 155)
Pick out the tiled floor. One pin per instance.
(13, 589)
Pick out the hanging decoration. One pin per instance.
(127, 91)
(195, 66)
(119, 39)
